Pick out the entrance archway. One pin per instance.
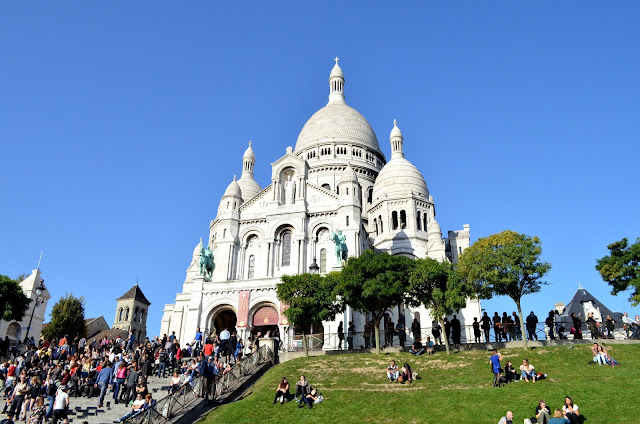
(13, 331)
(265, 319)
(222, 319)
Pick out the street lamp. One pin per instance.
(314, 268)
(39, 290)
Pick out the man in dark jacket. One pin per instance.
(532, 321)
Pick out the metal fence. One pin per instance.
(168, 407)
(361, 340)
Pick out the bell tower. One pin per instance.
(131, 313)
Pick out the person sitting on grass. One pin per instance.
(282, 394)
(570, 411)
(558, 418)
(527, 371)
(429, 346)
(542, 413)
(310, 399)
(302, 387)
(406, 374)
(392, 372)
(494, 360)
(507, 419)
(607, 359)
(597, 357)
(416, 348)
(510, 372)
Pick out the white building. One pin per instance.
(336, 178)
(17, 330)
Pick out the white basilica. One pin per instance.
(336, 178)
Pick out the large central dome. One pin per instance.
(337, 122)
(340, 123)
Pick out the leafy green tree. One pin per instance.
(621, 268)
(13, 302)
(373, 283)
(310, 299)
(505, 264)
(67, 317)
(439, 287)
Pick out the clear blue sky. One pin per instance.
(122, 123)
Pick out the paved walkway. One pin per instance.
(84, 409)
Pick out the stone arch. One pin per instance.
(317, 226)
(266, 325)
(120, 312)
(248, 232)
(14, 332)
(126, 314)
(223, 314)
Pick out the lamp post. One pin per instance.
(314, 268)
(39, 290)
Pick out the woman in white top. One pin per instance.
(570, 411)
(527, 371)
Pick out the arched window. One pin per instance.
(224, 233)
(141, 317)
(419, 221)
(416, 315)
(347, 220)
(326, 186)
(135, 314)
(252, 264)
(380, 221)
(347, 191)
(403, 220)
(424, 221)
(323, 260)
(375, 225)
(285, 240)
(394, 220)
(370, 195)
(120, 314)
(126, 314)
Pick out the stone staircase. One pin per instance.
(83, 409)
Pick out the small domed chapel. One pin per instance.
(336, 179)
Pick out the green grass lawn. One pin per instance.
(453, 389)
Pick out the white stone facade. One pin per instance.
(336, 178)
(17, 330)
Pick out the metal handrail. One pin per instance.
(167, 407)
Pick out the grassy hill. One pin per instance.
(453, 389)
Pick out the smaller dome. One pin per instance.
(249, 187)
(336, 71)
(395, 132)
(198, 249)
(348, 175)
(433, 228)
(233, 189)
(248, 154)
(399, 177)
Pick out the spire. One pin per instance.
(396, 141)
(336, 84)
(248, 160)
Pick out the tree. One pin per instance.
(13, 302)
(506, 264)
(439, 287)
(621, 269)
(67, 317)
(373, 283)
(310, 299)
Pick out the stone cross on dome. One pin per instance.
(336, 59)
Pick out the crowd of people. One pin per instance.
(39, 384)
(486, 329)
(569, 413)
